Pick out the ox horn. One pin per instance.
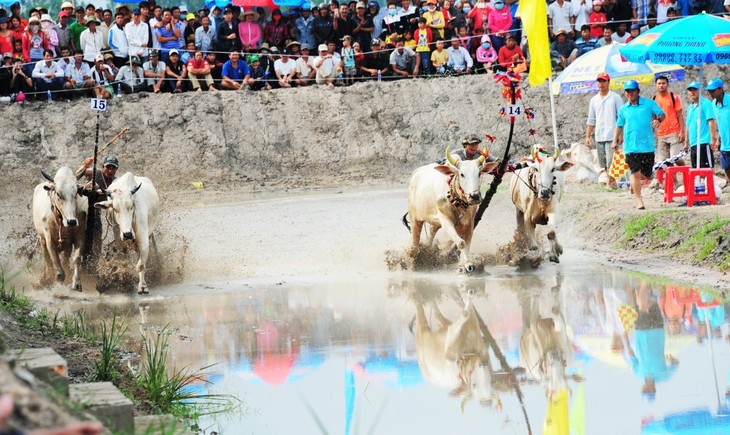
(450, 159)
(46, 176)
(80, 174)
(483, 156)
(533, 153)
(557, 153)
(136, 188)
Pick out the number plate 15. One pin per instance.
(98, 104)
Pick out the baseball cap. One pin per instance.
(99, 58)
(8, 54)
(322, 47)
(174, 51)
(631, 85)
(253, 58)
(154, 53)
(111, 161)
(136, 11)
(694, 85)
(62, 14)
(305, 46)
(375, 41)
(603, 76)
(713, 84)
(471, 139)
(4, 19)
(190, 16)
(65, 5)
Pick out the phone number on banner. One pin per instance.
(680, 58)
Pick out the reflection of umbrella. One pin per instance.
(692, 422)
(273, 368)
(693, 40)
(254, 3)
(580, 76)
(599, 347)
(389, 371)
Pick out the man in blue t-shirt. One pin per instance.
(233, 72)
(721, 109)
(635, 126)
(700, 110)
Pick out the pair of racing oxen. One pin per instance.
(60, 217)
(446, 195)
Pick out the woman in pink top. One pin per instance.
(500, 21)
(249, 32)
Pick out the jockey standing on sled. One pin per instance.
(104, 179)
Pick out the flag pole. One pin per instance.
(552, 111)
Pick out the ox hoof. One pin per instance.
(554, 259)
(60, 277)
(143, 291)
(467, 268)
(77, 288)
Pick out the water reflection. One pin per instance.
(430, 354)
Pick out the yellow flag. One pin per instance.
(556, 420)
(533, 14)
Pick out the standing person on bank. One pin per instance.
(670, 134)
(602, 114)
(635, 126)
(700, 107)
(721, 109)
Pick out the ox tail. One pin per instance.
(405, 221)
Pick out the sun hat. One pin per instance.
(631, 85)
(561, 31)
(65, 5)
(154, 53)
(46, 17)
(471, 139)
(694, 85)
(713, 84)
(603, 76)
(134, 60)
(108, 56)
(360, 5)
(92, 19)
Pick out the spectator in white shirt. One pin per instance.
(204, 35)
(459, 58)
(304, 68)
(131, 77)
(47, 74)
(138, 36)
(78, 74)
(91, 40)
(284, 70)
(154, 71)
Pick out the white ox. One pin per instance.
(446, 196)
(455, 355)
(136, 207)
(59, 217)
(536, 192)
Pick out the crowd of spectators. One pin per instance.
(99, 52)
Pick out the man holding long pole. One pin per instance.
(699, 112)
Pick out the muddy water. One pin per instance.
(290, 300)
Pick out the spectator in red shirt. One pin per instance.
(506, 54)
(198, 68)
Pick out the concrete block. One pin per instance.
(46, 365)
(160, 424)
(107, 404)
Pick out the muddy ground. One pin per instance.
(299, 143)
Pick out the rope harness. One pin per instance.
(58, 214)
(456, 193)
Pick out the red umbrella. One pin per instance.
(253, 3)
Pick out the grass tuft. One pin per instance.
(636, 225)
(111, 338)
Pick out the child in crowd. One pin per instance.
(439, 57)
(348, 60)
(409, 42)
(486, 56)
(464, 38)
(597, 19)
(423, 37)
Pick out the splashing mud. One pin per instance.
(432, 258)
(517, 253)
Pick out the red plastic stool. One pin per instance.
(669, 173)
(709, 193)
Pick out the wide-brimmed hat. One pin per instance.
(293, 43)
(135, 59)
(154, 53)
(92, 19)
(46, 17)
(265, 46)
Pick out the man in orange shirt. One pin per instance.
(670, 134)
